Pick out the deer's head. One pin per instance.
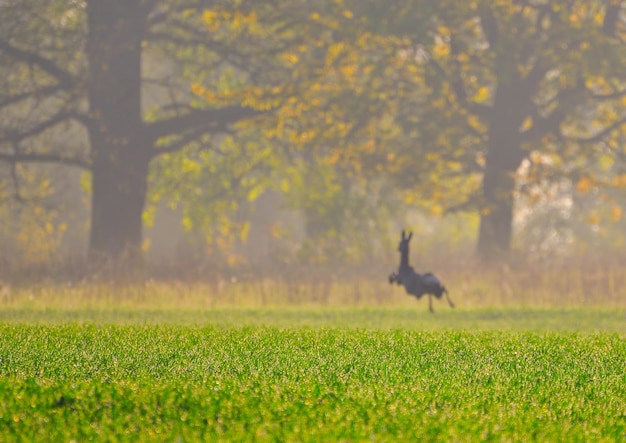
(403, 246)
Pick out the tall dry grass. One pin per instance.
(587, 280)
(468, 288)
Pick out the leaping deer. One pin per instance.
(414, 283)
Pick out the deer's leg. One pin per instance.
(448, 298)
(430, 303)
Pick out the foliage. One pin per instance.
(529, 83)
(331, 127)
(430, 107)
(358, 113)
(212, 184)
(32, 228)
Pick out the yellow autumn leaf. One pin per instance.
(245, 230)
(290, 57)
(482, 94)
(436, 210)
(276, 230)
(441, 49)
(616, 213)
(527, 124)
(349, 70)
(598, 17)
(584, 185)
(210, 16)
(593, 219)
(232, 260)
(475, 123)
(443, 30)
(463, 58)
(333, 52)
(620, 181)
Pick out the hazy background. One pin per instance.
(228, 141)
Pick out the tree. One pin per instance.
(510, 82)
(443, 100)
(50, 86)
(330, 128)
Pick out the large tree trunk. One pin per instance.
(504, 157)
(496, 220)
(116, 131)
(119, 182)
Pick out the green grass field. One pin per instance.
(389, 373)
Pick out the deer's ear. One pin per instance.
(402, 235)
(409, 237)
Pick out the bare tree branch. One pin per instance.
(211, 119)
(611, 96)
(544, 125)
(48, 90)
(44, 158)
(552, 122)
(162, 14)
(179, 143)
(531, 82)
(19, 136)
(489, 25)
(227, 54)
(599, 136)
(65, 79)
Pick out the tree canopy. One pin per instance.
(352, 110)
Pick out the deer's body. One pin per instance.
(414, 283)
